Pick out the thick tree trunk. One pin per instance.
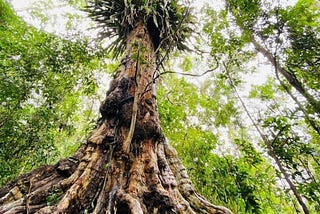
(126, 166)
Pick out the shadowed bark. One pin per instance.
(126, 166)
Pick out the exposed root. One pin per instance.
(154, 181)
(126, 202)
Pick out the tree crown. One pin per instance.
(168, 22)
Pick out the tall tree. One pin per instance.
(288, 42)
(289, 39)
(126, 165)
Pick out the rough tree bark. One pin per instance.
(126, 166)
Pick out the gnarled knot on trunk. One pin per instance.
(147, 125)
(117, 96)
(66, 167)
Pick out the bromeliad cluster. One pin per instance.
(168, 22)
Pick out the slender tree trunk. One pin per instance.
(291, 78)
(126, 166)
(311, 121)
(286, 176)
(270, 151)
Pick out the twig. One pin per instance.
(187, 74)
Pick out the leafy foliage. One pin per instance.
(286, 136)
(42, 79)
(245, 182)
(302, 25)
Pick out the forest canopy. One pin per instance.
(241, 106)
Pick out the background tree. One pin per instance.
(290, 129)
